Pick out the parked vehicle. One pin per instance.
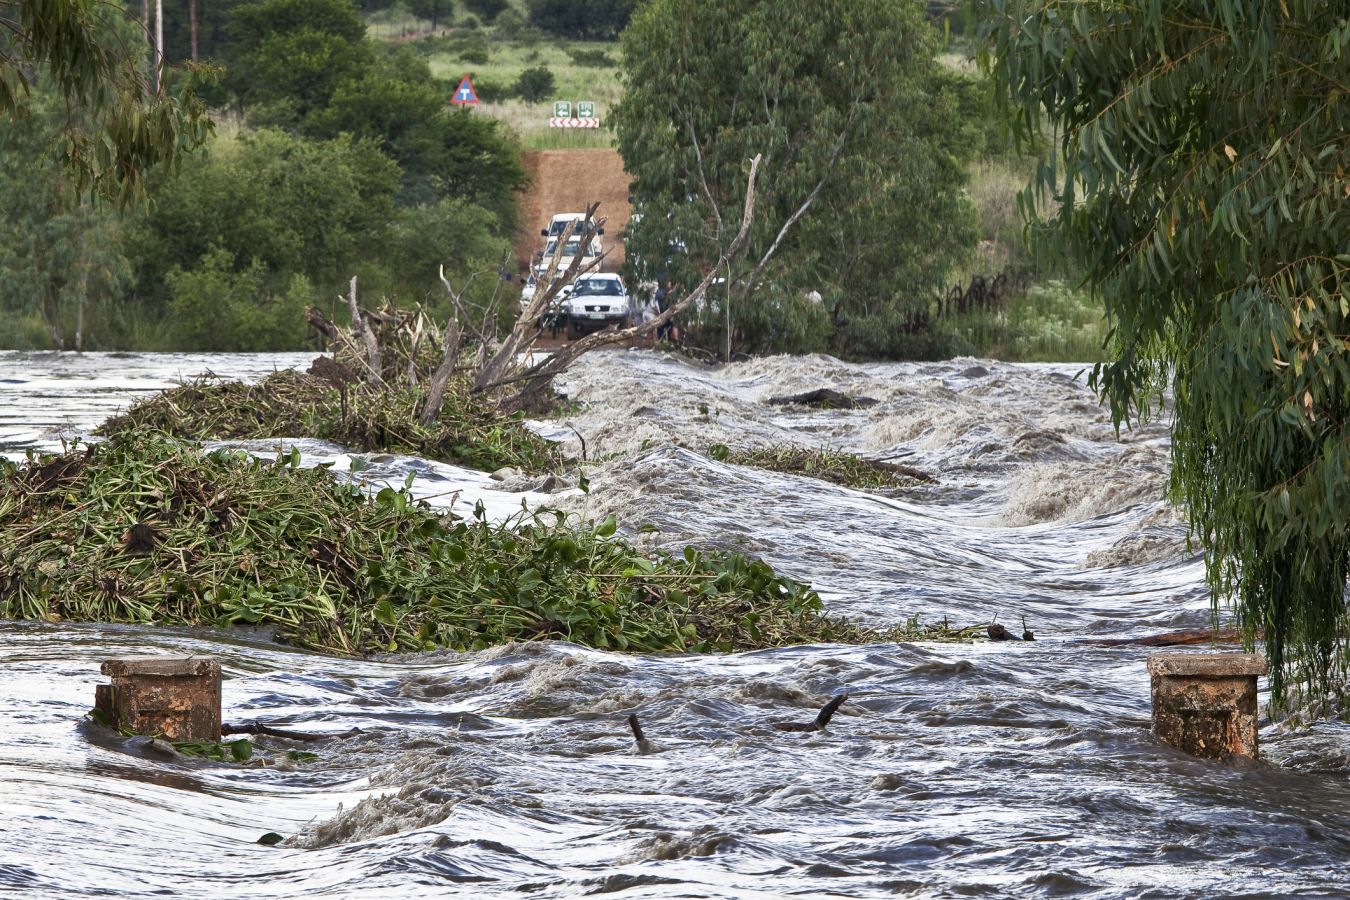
(570, 250)
(558, 224)
(596, 301)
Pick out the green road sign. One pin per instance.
(562, 109)
(585, 109)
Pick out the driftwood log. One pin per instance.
(1176, 638)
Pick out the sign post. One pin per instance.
(465, 95)
(585, 115)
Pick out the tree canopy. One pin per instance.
(1201, 179)
(115, 128)
(863, 157)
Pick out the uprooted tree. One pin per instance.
(392, 347)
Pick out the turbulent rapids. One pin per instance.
(977, 769)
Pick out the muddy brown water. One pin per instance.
(984, 770)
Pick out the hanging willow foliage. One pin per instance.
(1201, 177)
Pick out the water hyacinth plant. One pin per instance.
(147, 529)
(469, 430)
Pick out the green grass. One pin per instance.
(572, 82)
(452, 52)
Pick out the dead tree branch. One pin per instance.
(362, 327)
(436, 393)
(523, 333)
(541, 374)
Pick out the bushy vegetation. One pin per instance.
(582, 19)
(147, 529)
(1051, 321)
(347, 162)
(861, 199)
(469, 431)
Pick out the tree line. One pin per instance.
(332, 155)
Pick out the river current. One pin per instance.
(953, 770)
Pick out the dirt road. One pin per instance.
(565, 181)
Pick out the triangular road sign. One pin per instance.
(465, 95)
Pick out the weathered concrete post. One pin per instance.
(174, 696)
(1205, 703)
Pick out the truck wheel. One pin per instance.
(574, 329)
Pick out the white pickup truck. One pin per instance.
(596, 301)
(569, 252)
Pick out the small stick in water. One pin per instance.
(643, 745)
(823, 719)
(1026, 632)
(270, 731)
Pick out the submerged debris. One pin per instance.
(824, 398)
(847, 469)
(821, 720)
(639, 739)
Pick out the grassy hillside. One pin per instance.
(495, 57)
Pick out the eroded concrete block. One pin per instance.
(1205, 703)
(174, 696)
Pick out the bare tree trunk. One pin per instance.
(439, 381)
(149, 37)
(159, 45)
(80, 298)
(359, 324)
(726, 338)
(192, 27)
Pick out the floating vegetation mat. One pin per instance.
(846, 469)
(470, 430)
(149, 529)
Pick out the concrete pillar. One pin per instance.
(177, 697)
(1205, 703)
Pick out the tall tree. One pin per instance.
(117, 127)
(294, 53)
(1201, 181)
(844, 100)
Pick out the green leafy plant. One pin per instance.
(470, 431)
(535, 84)
(226, 538)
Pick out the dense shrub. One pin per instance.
(893, 336)
(600, 20)
(487, 10)
(535, 84)
(216, 308)
(591, 59)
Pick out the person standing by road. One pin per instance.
(664, 299)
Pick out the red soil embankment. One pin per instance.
(564, 181)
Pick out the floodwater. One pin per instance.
(968, 770)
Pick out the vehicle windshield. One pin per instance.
(593, 286)
(557, 226)
(568, 251)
